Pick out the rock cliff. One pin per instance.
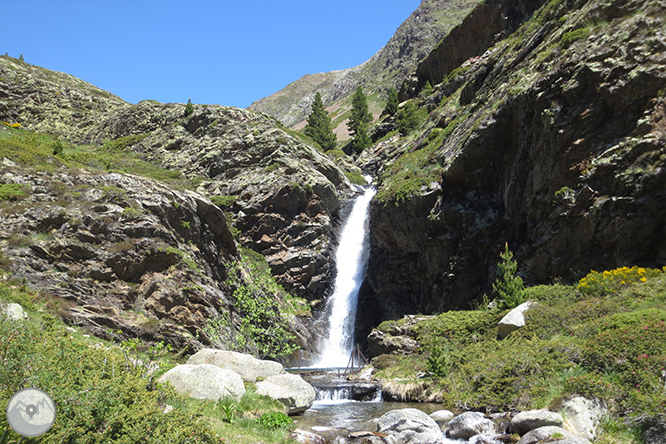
(552, 140)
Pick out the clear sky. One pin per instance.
(216, 52)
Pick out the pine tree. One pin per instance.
(359, 120)
(392, 102)
(189, 108)
(508, 287)
(319, 125)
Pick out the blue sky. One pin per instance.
(215, 52)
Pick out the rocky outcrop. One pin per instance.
(409, 426)
(205, 381)
(583, 416)
(291, 390)
(413, 40)
(248, 367)
(125, 256)
(469, 424)
(488, 23)
(553, 141)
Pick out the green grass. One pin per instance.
(609, 344)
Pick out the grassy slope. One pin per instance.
(608, 343)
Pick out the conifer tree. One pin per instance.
(392, 103)
(359, 120)
(508, 287)
(319, 125)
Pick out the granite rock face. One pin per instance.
(555, 143)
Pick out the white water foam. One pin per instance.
(351, 260)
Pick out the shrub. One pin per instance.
(11, 191)
(611, 281)
(410, 117)
(58, 148)
(275, 420)
(224, 201)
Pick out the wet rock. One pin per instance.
(442, 416)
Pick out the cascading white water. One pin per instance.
(351, 259)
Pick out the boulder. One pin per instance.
(249, 367)
(205, 381)
(513, 320)
(291, 390)
(551, 434)
(523, 422)
(442, 416)
(583, 416)
(305, 437)
(13, 311)
(469, 424)
(656, 434)
(409, 426)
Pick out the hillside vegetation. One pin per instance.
(604, 338)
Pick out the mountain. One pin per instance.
(83, 226)
(551, 139)
(413, 41)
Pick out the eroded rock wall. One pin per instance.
(557, 146)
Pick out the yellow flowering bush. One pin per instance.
(610, 281)
(13, 125)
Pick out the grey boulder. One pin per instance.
(552, 434)
(291, 390)
(250, 368)
(523, 422)
(409, 426)
(469, 424)
(205, 381)
(583, 416)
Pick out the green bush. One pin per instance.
(224, 201)
(12, 191)
(189, 108)
(98, 397)
(410, 117)
(275, 420)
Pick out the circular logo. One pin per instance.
(31, 412)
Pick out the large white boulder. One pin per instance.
(291, 390)
(551, 434)
(13, 311)
(409, 426)
(523, 422)
(583, 416)
(469, 424)
(249, 367)
(442, 416)
(205, 381)
(513, 320)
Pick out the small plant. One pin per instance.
(185, 224)
(568, 38)
(58, 148)
(275, 420)
(223, 201)
(229, 408)
(189, 108)
(437, 362)
(11, 191)
(508, 287)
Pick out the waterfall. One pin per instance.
(351, 260)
